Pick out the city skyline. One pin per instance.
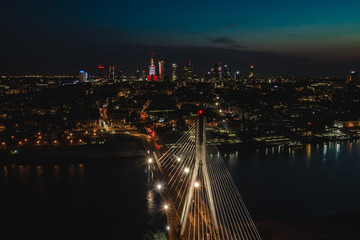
(287, 38)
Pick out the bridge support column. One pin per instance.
(200, 165)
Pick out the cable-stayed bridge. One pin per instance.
(198, 193)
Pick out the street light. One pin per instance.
(186, 170)
(150, 160)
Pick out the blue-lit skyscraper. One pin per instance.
(83, 76)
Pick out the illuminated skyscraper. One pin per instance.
(188, 70)
(137, 75)
(101, 71)
(83, 76)
(227, 71)
(173, 73)
(354, 76)
(161, 70)
(251, 70)
(143, 75)
(216, 71)
(152, 67)
(237, 75)
(111, 73)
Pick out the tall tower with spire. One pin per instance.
(152, 67)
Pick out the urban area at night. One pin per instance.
(127, 121)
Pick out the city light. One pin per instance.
(150, 160)
(166, 207)
(178, 159)
(159, 186)
(196, 184)
(186, 170)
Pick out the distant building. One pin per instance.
(227, 71)
(346, 124)
(161, 70)
(111, 73)
(83, 76)
(152, 70)
(237, 75)
(188, 70)
(101, 71)
(119, 75)
(251, 70)
(143, 75)
(137, 75)
(354, 76)
(216, 72)
(173, 73)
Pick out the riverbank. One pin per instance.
(116, 147)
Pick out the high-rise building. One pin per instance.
(216, 71)
(237, 75)
(173, 73)
(227, 71)
(101, 71)
(119, 75)
(354, 76)
(83, 76)
(111, 73)
(137, 75)
(161, 70)
(251, 70)
(143, 75)
(188, 70)
(152, 67)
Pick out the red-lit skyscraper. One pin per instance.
(143, 75)
(101, 71)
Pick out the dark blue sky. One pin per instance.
(279, 37)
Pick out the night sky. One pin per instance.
(305, 37)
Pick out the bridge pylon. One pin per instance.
(200, 169)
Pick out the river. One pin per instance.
(111, 199)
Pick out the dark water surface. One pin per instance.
(112, 199)
(318, 180)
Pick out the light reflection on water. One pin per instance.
(150, 199)
(24, 173)
(280, 183)
(95, 196)
(317, 180)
